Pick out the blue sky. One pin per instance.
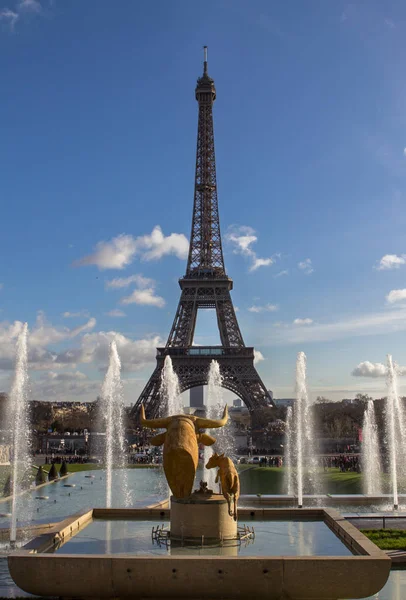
(98, 134)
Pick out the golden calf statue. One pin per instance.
(181, 446)
(230, 483)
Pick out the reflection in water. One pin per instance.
(272, 538)
(306, 541)
(289, 452)
(395, 588)
(108, 537)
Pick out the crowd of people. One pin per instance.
(70, 460)
(145, 459)
(344, 462)
(146, 454)
(245, 451)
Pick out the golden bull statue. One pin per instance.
(181, 446)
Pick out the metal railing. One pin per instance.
(204, 351)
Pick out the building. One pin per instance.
(197, 397)
(284, 402)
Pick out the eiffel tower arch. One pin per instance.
(206, 286)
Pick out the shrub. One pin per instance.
(7, 487)
(63, 470)
(53, 473)
(40, 476)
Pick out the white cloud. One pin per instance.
(10, 17)
(302, 321)
(120, 252)
(258, 356)
(43, 333)
(144, 297)
(396, 296)
(122, 282)
(55, 353)
(29, 6)
(391, 261)
(21, 9)
(41, 337)
(80, 313)
(282, 273)
(116, 254)
(384, 322)
(242, 238)
(369, 369)
(261, 262)
(306, 266)
(58, 386)
(143, 294)
(94, 348)
(266, 308)
(116, 312)
(156, 245)
(404, 151)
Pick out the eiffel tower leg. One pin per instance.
(229, 329)
(150, 396)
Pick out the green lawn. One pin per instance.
(387, 539)
(254, 480)
(270, 480)
(74, 468)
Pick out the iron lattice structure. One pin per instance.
(206, 285)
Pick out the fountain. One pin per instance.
(197, 548)
(215, 405)
(395, 430)
(169, 390)
(112, 409)
(19, 423)
(288, 452)
(305, 454)
(371, 459)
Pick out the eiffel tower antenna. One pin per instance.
(206, 286)
(205, 60)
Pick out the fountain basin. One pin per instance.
(49, 564)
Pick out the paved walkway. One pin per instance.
(398, 557)
(378, 522)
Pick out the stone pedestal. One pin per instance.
(202, 515)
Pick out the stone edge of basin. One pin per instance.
(126, 575)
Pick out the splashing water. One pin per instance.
(169, 390)
(288, 451)
(21, 463)
(215, 408)
(371, 456)
(395, 429)
(112, 407)
(304, 430)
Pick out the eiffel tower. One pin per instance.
(206, 285)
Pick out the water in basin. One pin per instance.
(272, 538)
(89, 491)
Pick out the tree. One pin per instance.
(362, 397)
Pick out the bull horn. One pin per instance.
(211, 423)
(153, 423)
